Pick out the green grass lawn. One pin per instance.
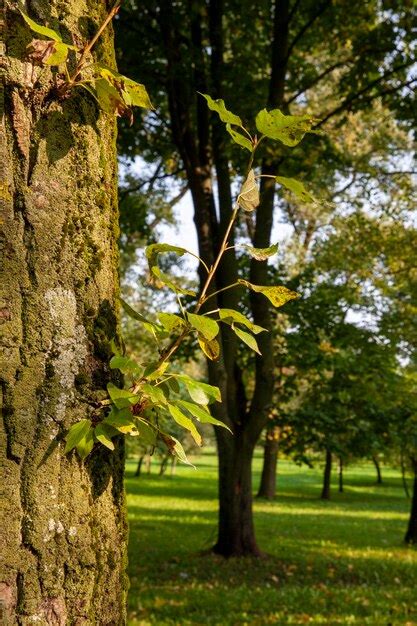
(337, 562)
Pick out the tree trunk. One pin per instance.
(404, 477)
(267, 488)
(411, 534)
(325, 494)
(378, 470)
(64, 562)
(173, 465)
(341, 489)
(236, 533)
(163, 465)
(139, 467)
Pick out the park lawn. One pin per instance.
(337, 562)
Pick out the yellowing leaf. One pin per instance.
(206, 326)
(248, 198)
(230, 315)
(170, 321)
(289, 129)
(246, 338)
(276, 294)
(297, 188)
(210, 348)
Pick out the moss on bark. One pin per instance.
(65, 548)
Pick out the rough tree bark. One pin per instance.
(267, 487)
(64, 558)
(325, 494)
(411, 534)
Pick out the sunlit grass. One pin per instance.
(337, 562)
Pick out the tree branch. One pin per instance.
(350, 99)
(307, 25)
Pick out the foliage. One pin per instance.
(116, 94)
(152, 389)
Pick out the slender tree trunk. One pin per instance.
(163, 465)
(404, 477)
(173, 465)
(378, 470)
(267, 488)
(341, 488)
(148, 463)
(139, 467)
(411, 534)
(325, 494)
(64, 560)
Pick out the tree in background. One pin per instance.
(326, 58)
(64, 562)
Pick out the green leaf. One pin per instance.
(121, 419)
(85, 445)
(153, 371)
(200, 392)
(240, 139)
(219, 107)
(76, 433)
(171, 322)
(155, 394)
(173, 384)
(59, 54)
(201, 413)
(164, 279)
(210, 348)
(289, 129)
(41, 30)
(230, 315)
(147, 433)
(297, 189)
(103, 433)
(276, 294)
(133, 93)
(248, 198)
(260, 254)
(132, 313)
(247, 338)
(121, 398)
(175, 448)
(125, 365)
(185, 422)
(206, 326)
(154, 249)
(110, 99)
